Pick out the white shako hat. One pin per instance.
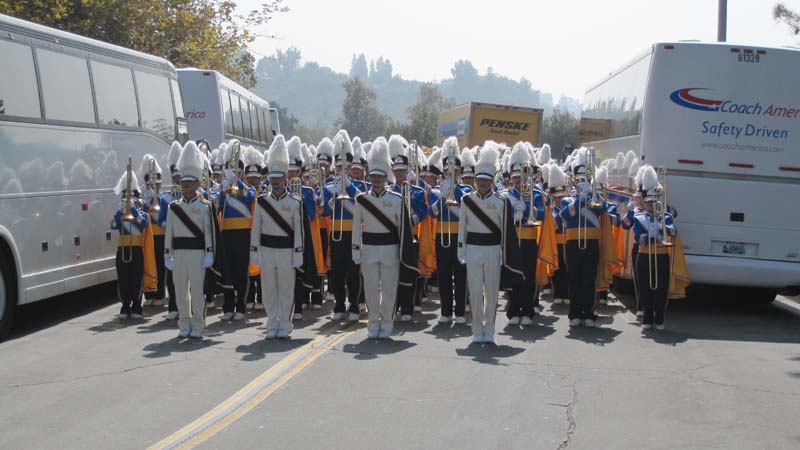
(172, 158)
(359, 154)
(325, 151)
(601, 176)
(294, 145)
(651, 188)
(579, 163)
(398, 151)
(144, 169)
(557, 180)
(253, 163)
(342, 148)
(519, 156)
(305, 152)
(278, 158)
(122, 184)
(380, 163)
(487, 164)
(435, 165)
(467, 162)
(544, 155)
(190, 163)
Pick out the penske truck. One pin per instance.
(474, 123)
(724, 121)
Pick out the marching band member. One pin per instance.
(379, 226)
(339, 204)
(150, 172)
(325, 159)
(131, 221)
(254, 171)
(582, 249)
(313, 211)
(484, 230)
(653, 259)
(217, 168)
(357, 173)
(306, 275)
(236, 205)
(276, 243)
(451, 273)
(557, 183)
(169, 197)
(521, 301)
(398, 150)
(188, 244)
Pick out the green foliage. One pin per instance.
(360, 114)
(287, 121)
(559, 128)
(424, 115)
(209, 34)
(791, 18)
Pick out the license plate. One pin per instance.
(734, 248)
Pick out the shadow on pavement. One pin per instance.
(372, 348)
(489, 353)
(177, 345)
(594, 336)
(449, 331)
(259, 349)
(540, 330)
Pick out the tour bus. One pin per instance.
(724, 120)
(72, 110)
(218, 109)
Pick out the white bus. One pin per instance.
(724, 120)
(218, 109)
(72, 110)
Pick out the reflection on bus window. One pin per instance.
(65, 87)
(19, 95)
(155, 103)
(116, 99)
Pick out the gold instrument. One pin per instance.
(527, 184)
(315, 179)
(342, 196)
(452, 175)
(233, 164)
(590, 160)
(296, 186)
(413, 161)
(153, 183)
(659, 214)
(127, 215)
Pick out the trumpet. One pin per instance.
(342, 196)
(452, 175)
(590, 159)
(153, 182)
(127, 215)
(233, 164)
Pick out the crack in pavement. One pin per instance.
(95, 375)
(571, 422)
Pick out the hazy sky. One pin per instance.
(561, 46)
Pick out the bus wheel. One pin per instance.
(7, 296)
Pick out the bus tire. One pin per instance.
(8, 296)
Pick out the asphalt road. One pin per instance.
(722, 376)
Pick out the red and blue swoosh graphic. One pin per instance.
(685, 98)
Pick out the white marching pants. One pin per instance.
(188, 275)
(483, 279)
(277, 285)
(380, 267)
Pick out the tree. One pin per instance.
(423, 116)
(558, 128)
(360, 114)
(791, 18)
(358, 67)
(287, 121)
(195, 33)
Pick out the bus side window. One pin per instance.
(177, 98)
(237, 115)
(226, 109)
(257, 126)
(155, 104)
(253, 120)
(116, 99)
(66, 89)
(267, 129)
(248, 129)
(19, 94)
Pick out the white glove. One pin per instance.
(255, 258)
(168, 262)
(586, 188)
(411, 177)
(462, 258)
(572, 209)
(208, 260)
(357, 257)
(519, 210)
(332, 203)
(435, 208)
(297, 260)
(230, 176)
(147, 195)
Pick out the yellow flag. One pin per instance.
(547, 261)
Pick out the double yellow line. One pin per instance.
(255, 392)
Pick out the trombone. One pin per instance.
(296, 186)
(233, 164)
(527, 188)
(153, 183)
(451, 198)
(341, 197)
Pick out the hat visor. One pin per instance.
(276, 174)
(189, 178)
(485, 176)
(378, 172)
(399, 166)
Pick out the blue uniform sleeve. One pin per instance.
(629, 221)
(434, 196)
(116, 220)
(611, 209)
(539, 205)
(309, 203)
(326, 197)
(564, 212)
(418, 204)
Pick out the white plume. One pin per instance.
(601, 176)
(435, 159)
(174, 154)
(397, 146)
(557, 177)
(253, 157)
(325, 148)
(467, 158)
(380, 159)
(122, 184)
(278, 155)
(342, 146)
(144, 168)
(649, 178)
(190, 163)
(295, 153)
(519, 155)
(544, 154)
